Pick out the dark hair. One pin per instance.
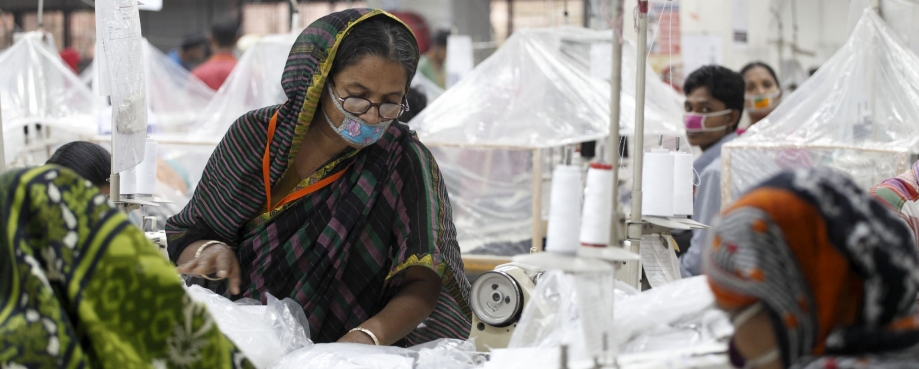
(193, 41)
(724, 84)
(379, 36)
(417, 101)
(88, 160)
(225, 33)
(755, 64)
(440, 38)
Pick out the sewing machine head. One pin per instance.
(498, 298)
(158, 237)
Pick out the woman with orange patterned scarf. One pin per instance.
(815, 274)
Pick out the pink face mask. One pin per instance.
(695, 122)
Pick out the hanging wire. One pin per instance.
(669, 45)
(654, 35)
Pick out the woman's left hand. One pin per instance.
(356, 337)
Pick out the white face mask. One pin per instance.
(695, 122)
(736, 359)
(764, 102)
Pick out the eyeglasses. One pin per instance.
(358, 106)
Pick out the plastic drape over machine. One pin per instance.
(859, 113)
(38, 88)
(535, 94)
(901, 15)
(254, 83)
(174, 96)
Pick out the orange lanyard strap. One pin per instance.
(266, 163)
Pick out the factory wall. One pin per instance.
(464, 17)
(821, 29)
(166, 28)
(438, 13)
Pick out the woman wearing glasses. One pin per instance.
(329, 200)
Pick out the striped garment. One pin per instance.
(901, 194)
(837, 273)
(340, 250)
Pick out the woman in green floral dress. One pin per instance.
(80, 287)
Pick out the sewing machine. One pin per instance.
(498, 298)
(158, 237)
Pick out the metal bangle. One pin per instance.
(205, 245)
(198, 254)
(367, 332)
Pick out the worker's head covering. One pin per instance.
(836, 271)
(308, 67)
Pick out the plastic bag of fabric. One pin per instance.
(679, 314)
(448, 353)
(265, 333)
(348, 356)
(550, 319)
(440, 354)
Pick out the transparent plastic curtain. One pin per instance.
(537, 91)
(901, 15)
(430, 89)
(491, 194)
(174, 96)
(859, 113)
(254, 83)
(522, 96)
(38, 88)
(541, 89)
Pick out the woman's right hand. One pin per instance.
(217, 259)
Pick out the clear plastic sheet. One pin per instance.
(901, 15)
(533, 92)
(264, 333)
(678, 315)
(118, 23)
(491, 194)
(348, 356)
(859, 113)
(552, 317)
(254, 83)
(175, 97)
(37, 87)
(449, 354)
(430, 89)
(441, 354)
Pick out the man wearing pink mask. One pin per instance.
(714, 105)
